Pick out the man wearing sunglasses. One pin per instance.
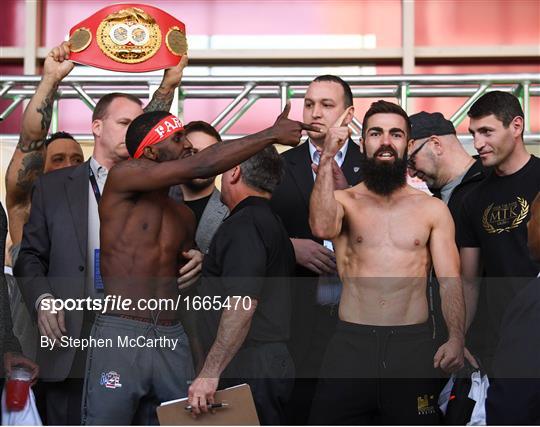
(437, 157)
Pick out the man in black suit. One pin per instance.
(317, 289)
(60, 243)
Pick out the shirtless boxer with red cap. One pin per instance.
(143, 234)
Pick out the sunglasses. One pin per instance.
(410, 160)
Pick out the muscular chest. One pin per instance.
(154, 222)
(398, 226)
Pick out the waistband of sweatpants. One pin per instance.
(136, 322)
(360, 329)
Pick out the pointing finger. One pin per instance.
(285, 113)
(309, 127)
(341, 118)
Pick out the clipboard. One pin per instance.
(239, 412)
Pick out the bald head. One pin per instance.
(438, 160)
(435, 155)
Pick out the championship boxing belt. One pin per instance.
(129, 37)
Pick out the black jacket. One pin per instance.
(52, 258)
(514, 392)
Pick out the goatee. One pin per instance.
(384, 178)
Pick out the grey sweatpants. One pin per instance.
(125, 384)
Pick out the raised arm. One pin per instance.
(325, 212)
(28, 159)
(145, 175)
(445, 258)
(163, 96)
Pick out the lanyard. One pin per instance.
(94, 185)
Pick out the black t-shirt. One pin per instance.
(251, 255)
(514, 391)
(198, 206)
(494, 218)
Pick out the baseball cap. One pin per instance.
(426, 124)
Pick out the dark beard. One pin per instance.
(384, 178)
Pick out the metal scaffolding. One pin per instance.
(246, 91)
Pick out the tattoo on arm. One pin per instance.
(29, 146)
(160, 101)
(32, 167)
(46, 113)
(45, 110)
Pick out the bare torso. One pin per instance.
(383, 256)
(142, 238)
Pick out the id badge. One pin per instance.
(98, 281)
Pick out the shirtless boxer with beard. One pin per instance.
(381, 366)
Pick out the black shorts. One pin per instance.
(378, 375)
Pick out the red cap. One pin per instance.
(130, 38)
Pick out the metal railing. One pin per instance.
(246, 91)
